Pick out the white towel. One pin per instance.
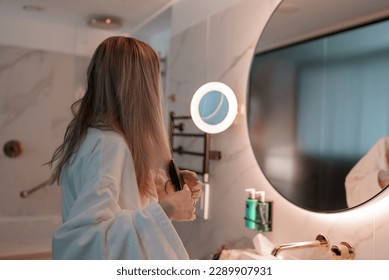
(362, 181)
(263, 245)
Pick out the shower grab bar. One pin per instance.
(321, 242)
(27, 193)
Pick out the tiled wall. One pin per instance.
(37, 89)
(220, 48)
(40, 77)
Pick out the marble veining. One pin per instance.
(235, 61)
(37, 90)
(4, 56)
(15, 104)
(19, 90)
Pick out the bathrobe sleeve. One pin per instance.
(105, 219)
(362, 181)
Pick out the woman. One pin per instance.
(116, 201)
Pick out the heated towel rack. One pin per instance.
(177, 129)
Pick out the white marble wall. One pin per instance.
(37, 89)
(40, 77)
(221, 48)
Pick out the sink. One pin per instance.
(263, 248)
(244, 254)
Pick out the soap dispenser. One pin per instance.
(263, 212)
(258, 211)
(251, 210)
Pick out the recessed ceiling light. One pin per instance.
(105, 22)
(33, 8)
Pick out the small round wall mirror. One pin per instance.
(213, 107)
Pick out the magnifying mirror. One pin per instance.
(213, 107)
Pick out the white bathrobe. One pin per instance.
(362, 181)
(104, 217)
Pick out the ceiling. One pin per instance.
(134, 13)
(297, 20)
(293, 20)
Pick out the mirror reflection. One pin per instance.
(318, 106)
(213, 107)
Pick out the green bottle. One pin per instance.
(251, 210)
(263, 213)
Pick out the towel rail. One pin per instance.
(206, 154)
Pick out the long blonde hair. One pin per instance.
(123, 91)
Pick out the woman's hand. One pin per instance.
(179, 206)
(165, 187)
(193, 183)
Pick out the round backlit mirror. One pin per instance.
(318, 96)
(213, 107)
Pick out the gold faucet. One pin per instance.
(321, 242)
